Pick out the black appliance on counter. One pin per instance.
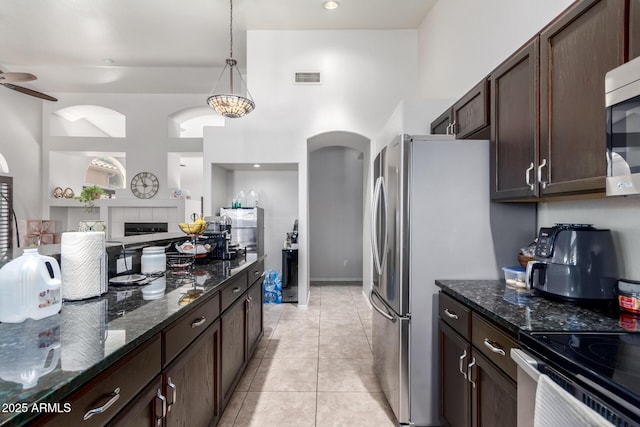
(289, 275)
(140, 228)
(600, 369)
(574, 262)
(218, 234)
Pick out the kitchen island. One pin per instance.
(61, 360)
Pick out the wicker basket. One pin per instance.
(523, 260)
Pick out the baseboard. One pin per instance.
(334, 279)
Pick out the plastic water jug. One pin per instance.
(30, 288)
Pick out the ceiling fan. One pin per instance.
(8, 79)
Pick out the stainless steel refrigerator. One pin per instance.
(431, 219)
(247, 227)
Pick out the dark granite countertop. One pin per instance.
(515, 311)
(47, 359)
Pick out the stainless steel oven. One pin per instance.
(601, 370)
(622, 100)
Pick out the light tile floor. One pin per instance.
(313, 367)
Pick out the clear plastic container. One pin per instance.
(515, 276)
(30, 287)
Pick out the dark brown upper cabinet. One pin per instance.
(471, 113)
(514, 125)
(576, 51)
(468, 118)
(634, 28)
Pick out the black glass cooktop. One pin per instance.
(610, 360)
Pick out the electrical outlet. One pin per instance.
(120, 264)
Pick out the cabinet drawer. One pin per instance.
(111, 390)
(495, 344)
(178, 336)
(232, 291)
(455, 315)
(256, 273)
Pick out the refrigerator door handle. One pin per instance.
(379, 310)
(374, 220)
(385, 247)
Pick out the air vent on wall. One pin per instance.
(307, 78)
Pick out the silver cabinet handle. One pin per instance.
(464, 374)
(113, 398)
(198, 322)
(542, 165)
(469, 370)
(527, 177)
(378, 309)
(448, 130)
(453, 128)
(450, 314)
(491, 346)
(174, 393)
(163, 406)
(235, 290)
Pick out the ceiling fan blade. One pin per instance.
(29, 91)
(16, 77)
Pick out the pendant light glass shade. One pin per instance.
(227, 102)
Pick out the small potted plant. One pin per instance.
(88, 195)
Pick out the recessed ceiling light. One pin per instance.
(256, 165)
(108, 61)
(330, 4)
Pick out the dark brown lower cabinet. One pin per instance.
(494, 395)
(233, 349)
(634, 29)
(455, 399)
(254, 316)
(146, 410)
(475, 391)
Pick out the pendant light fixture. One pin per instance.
(230, 104)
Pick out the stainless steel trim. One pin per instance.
(114, 396)
(450, 314)
(542, 165)
(461, 363)
(198, 322)
(526, 362)
(470, 370)
(379, 310)
(491, 346)
(527, 176)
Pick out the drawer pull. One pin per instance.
(198, 322)
(163, 406)
(470, 370)
(113, 398)
(491, 346)
(450, 314)
(464, 374)
(235, 290)
(174, 393)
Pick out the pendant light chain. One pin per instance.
(231, 30)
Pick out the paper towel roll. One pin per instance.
(83, 264)
(83, 334)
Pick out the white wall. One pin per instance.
(365, 74)
(461, 41)
(20, 143)
(335, 214)
(278, 193)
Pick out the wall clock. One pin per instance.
(144, 185)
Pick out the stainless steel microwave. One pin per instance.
(622, 100)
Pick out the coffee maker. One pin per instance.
(218, 234)
(574, 262)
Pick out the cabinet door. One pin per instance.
(471, 112)
(634, 29)
(576, 51)
(148, 409)
(191, 383)
(255, 316)
(514, 125)
(442, 125)
(493, 395)
(455, 355)
(233, 351)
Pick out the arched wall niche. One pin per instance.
(4, 166)
(190, 122)
(87, 121)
